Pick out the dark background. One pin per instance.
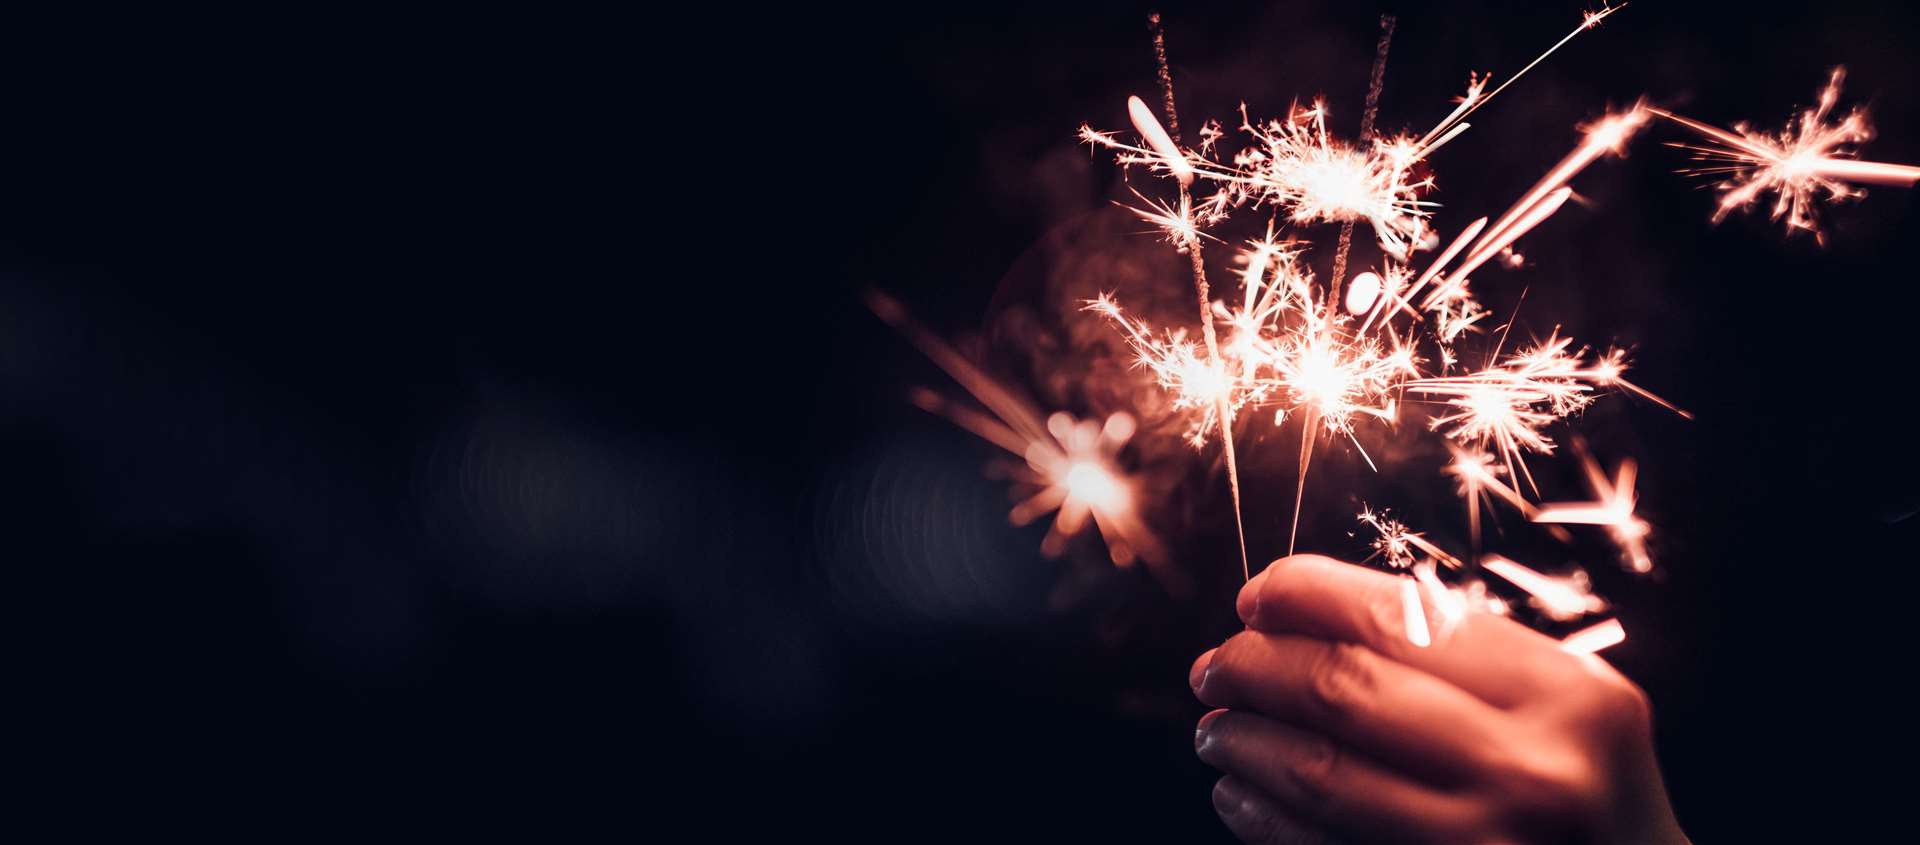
(470, 417)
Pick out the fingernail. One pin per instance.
(1250, 608)
(1197, 676)
(1230, 798)
(1203, 733)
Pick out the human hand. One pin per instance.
(1335, 727)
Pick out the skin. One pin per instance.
(1333, 728)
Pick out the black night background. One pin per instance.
(440, 419)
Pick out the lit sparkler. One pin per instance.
(1305, 351)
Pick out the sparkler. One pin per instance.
(1302, 350)
(1811, 158)
(1167, 144)
(1293, 345)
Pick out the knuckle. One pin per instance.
(1614, 705)
(1340, 681)
(1626, 703)
(1312, 769)
(1545, 786)
(1384, 613)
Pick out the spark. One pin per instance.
(1182, 368)
(1594, 637)
(1558, 597)
(1810, 160)
(1177, 224)
(1334, 353)
(1611, 508)
(1398, 546)
(1295, 166)
(1167, 142)
(1170, 156)
(1473, 472)
(1414, 614)
(1506, 407)
(1072, 464)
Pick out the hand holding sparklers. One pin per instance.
(1336, 724)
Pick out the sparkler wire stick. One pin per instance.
(1310, 428)
(1222, 408)
(1374, 83)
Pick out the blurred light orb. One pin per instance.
(1362, 291)
(1091, 483)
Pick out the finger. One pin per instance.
(1315, 780)
(1255, 820)
(1392, 712)
(1492, 657)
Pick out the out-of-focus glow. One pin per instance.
(1362, 291)
(1157, 138)
(1070, 464)
(1414, 614)
(1612, 508)
(1558, 597)
(1594, 637)
(1094, 484)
